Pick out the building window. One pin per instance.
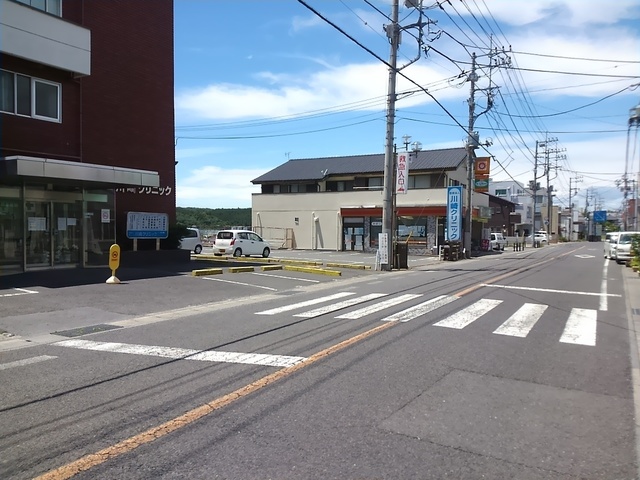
(376, 182)
(54, 7)
(501, 192)
(31, 97)
(419, 181)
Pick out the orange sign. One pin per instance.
(482, 166)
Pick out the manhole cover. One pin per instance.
(77, 332)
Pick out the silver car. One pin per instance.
(240, 242)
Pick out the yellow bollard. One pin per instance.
(114, 263)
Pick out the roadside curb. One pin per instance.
(349, 265)
(321, 271)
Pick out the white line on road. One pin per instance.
(26, 361)
(420, 309)
(21, 291)
(469, 314)
(184, 353)
(520, 323)
(239, 283)
(285, 277)
(604, 305)
(550, 290)
(581, 327)
(378, 306)
(338, 306)
(307, 303)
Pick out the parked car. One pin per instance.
(497, 242)
(610, 244)
(240, 242)
(192, 241)
(538, 237)
(623, 247)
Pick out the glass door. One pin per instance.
(38, 243)
(67, 232)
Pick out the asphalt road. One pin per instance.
(513, 365)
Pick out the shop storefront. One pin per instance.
(62, 216)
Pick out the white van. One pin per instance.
(623, 246)
(192, 241)
(610, 244)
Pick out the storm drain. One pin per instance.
(78, 332)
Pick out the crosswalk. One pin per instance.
(580, 327)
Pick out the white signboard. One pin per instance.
(383, 248)
(147, 225)
(402, 173)
(105, 215)
(454, 213)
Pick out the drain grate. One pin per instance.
(78, 332)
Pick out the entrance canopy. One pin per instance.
(88, 174)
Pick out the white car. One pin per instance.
(538, 237)
(192, 241)
(622, 252)
(610, 244)
(497, 241)
(240, 242)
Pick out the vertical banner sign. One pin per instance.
(402, 173)
(383, 246)
(454, 213)
(482, 169)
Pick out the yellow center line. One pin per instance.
(94, 459)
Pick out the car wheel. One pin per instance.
(502, 248)
(198, 249)
(237, 252)
(265, 252)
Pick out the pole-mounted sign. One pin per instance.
(454, 213)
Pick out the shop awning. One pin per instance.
(76, 172)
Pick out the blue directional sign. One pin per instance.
(600, 216)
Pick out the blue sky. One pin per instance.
(261, 81)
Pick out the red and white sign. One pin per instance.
(402, 173)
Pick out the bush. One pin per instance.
(176, 233)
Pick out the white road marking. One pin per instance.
(520, 323)
(420, 309)
(533, 289)
(604, 305)
(285, 277)
(378, 306)
(239, 283)
(307, 303)
(338, 306)
(26, 361)
(469, 314)
(21, 291)
(581, 327)
(184, 353)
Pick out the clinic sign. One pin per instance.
(454, 213)
(147, 225)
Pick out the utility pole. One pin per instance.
(572, 190)
(472, 144)
(473, 139)
(393, 33)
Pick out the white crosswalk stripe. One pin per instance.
(308, 303)
(420, 309)
(581, 327)
(520, 323)
(339, 306)
(470, 314)
(362, 312)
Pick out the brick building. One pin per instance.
(86, 124)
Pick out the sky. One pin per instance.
(260, 82)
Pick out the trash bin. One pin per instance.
(401, 257)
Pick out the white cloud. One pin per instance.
(218, 187)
